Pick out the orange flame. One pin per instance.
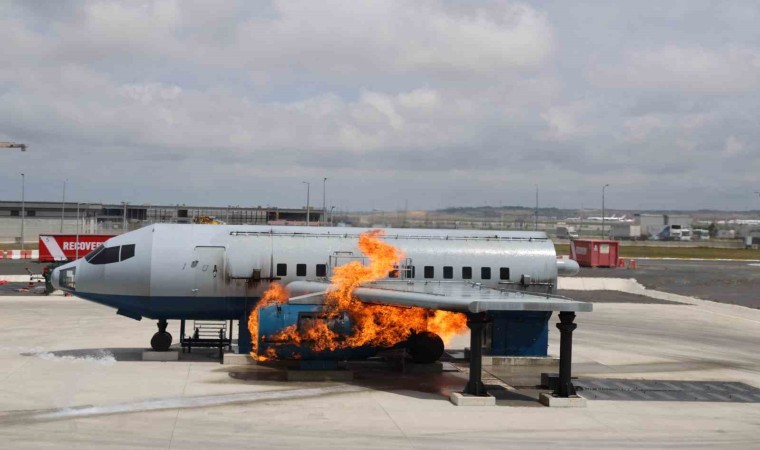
(372, 324)
(276, 293)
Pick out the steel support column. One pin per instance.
(475, 386)
(566, 326)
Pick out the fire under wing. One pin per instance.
(446, 295)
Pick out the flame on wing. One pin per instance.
(372, 324)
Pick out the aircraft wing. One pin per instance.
(450, 296)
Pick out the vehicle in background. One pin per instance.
(685, 234)
(69, 247)
(625, 231)
(726, 234)
(566, 232)
(669, 233)
(701, 234)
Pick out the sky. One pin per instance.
(424, 105)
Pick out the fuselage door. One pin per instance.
(209, 272)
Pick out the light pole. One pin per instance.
(13, 145)
(124, 220)
(77, 244)
(63, 203)
(535, 228)
(324, 210)
(308, 188)
(603, 188)
(23, 210)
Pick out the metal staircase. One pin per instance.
(207, 333)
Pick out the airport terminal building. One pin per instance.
(104, 218)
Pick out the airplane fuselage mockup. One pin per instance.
(176, 271)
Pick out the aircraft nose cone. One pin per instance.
(54, 277)
(64, 277)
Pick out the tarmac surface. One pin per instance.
(734, 282)
(71, 376)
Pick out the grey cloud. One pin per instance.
(439, 103)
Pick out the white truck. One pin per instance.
(670, 233)
(625, 231)
(566, 232)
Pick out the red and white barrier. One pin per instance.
(20, 254)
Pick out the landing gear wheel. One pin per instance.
(425, 347)
(161, 341)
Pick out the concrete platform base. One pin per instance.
(460, 399)
(559, 402)
(150, 355)
(543, 361)
(236, 359)
(319, 375)
(436, 367)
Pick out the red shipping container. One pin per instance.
(595, 252)
(68, 247)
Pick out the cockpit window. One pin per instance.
(107, 256)
(127, 251)
(93, 253)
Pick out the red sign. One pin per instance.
(68, 247)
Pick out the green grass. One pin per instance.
(676, 252)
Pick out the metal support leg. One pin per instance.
(566, 326)
(162, 324)
(182, 334)
(229, 347)
(221, 345)
(475, 386)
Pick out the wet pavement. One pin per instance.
(71, 376)
(733, 282)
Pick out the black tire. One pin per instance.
(161, 341)
(425, 347)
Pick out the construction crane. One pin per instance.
(13, 145)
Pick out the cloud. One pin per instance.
(695, 70)
(431, 101)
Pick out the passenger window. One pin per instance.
(429, 272)
(394, 273)
(321, 270)
(411, 272)
(504, 273)
(448, 272)
(467, 273)
(109, 255)
(485, 273)
(127, 251)
(282, 270)
(300, 270)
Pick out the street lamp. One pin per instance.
(23, 210)
(63, 203)
(77, 244)
(324, 210)
(124, 220)
(603, 188)
(308, 188)
(13, 145)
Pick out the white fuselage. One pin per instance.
(170, 271)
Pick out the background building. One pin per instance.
(101, 218)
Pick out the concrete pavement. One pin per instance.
(70, 376)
